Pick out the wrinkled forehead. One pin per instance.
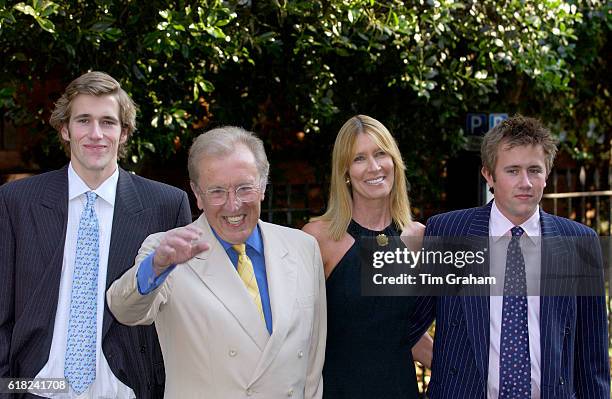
(233, 169)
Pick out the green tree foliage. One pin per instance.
(293, 69)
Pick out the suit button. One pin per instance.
(453, 370)
(566, 331)
(561, 381)
(455, 323)
(232, 353)
(290, 392)
(300, 354)
(249, 392)
(143, 349)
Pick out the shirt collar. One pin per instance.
(499, 225)
(107, 190)
(253, 240)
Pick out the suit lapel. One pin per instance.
(555, 266)
(216, 271)
(476, 308)
(281, 271)
(553, 309)
(128, 217)
(50, 216)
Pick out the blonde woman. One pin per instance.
(369, 339)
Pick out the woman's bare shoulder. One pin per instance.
(331, 250)
(319, 229)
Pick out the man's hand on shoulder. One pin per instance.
(178, 246)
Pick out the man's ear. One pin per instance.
(488, 176)
(65, 132)
(124, 134)
(199, 198)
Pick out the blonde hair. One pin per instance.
(340, 206)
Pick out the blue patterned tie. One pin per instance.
(515, 365)
(80, 362)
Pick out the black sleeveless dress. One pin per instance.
(368, 355)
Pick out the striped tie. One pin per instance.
(247, 274)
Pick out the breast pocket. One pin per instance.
(303, 319)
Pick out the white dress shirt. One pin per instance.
(106, 385)
(499, 233)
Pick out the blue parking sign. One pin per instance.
(476, 124)
(495, 119)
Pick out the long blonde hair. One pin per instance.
(340, 206)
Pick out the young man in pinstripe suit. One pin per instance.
(558, 343)
(49, 326)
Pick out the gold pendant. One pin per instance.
(382, 240)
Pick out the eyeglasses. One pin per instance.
(218, 195)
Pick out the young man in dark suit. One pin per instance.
(65, 236)
(516, 344)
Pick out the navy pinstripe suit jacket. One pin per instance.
(574, 338)
(33, 219)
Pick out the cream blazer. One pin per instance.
(214, 342)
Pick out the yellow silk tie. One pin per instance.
(247, 274)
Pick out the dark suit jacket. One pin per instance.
(33, 219)
(574, 338)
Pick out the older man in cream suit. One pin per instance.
(239, 304)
